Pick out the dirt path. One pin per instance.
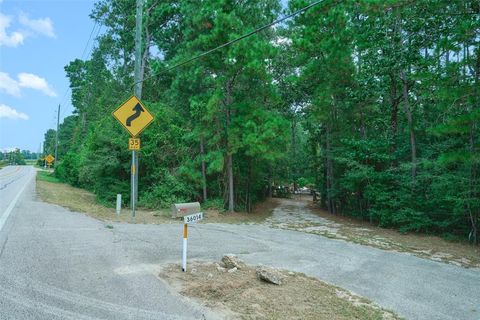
(296, 215)
(299, 214)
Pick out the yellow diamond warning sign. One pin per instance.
(49, 158)
(133, 116)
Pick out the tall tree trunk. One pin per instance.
(249, 180)
(204, 173)
(474, 213)
(330, 178)
(231, 198)
(228, 101)
(408, 112)
(394, 111)
(269, 190)
(405, 90)
(294, 154)
(324, 190)
(231, 194)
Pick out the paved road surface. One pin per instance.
(56, 264)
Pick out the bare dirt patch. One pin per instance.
(241, 295)
(300, 214)
(260, 212)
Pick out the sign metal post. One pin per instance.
(134, 117)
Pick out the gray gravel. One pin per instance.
(56, 264)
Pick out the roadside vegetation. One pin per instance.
(17, 157)
(52, 190)
(374, 104)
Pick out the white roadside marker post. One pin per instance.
(184, 253)
(186, 220)
(119, 204)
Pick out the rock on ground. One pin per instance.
(231, 261)
(270, 275)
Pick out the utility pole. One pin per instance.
(56, 138)
(137, 90)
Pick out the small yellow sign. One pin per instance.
(133, 116)
(49, 158)
(134, 144)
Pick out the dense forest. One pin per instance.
(374, 103)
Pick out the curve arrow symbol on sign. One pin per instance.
(138, 110)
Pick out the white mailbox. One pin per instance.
(185, 209)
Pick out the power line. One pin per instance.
(82, 57)
(233, 41)
(90, 38)
(83, 53)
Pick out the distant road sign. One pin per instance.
(193, 218)
(49, 158)
(134, 144)
(133, 116)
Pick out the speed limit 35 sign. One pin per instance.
(134, 144)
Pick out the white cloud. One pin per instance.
(29, 80)
(25, 80)
(9, 85)
(10, 113)
(40, 26)
(10, 40)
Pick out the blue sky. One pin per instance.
(37, 39)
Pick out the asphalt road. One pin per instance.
(57, 264)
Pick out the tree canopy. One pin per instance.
(374, 104)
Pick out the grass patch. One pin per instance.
(80, 200)
(52, 190)
(241, 295)
(47, 176)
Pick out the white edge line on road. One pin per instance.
(12, 204)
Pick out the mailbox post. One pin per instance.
(190, 212)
